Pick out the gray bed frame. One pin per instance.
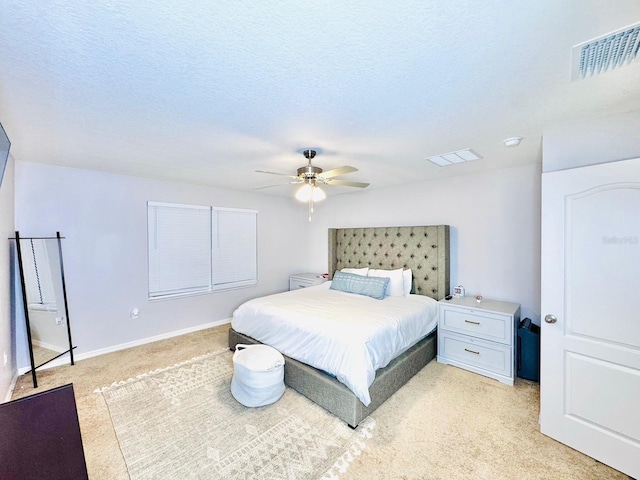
(424, 249)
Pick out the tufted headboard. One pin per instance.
(423, 249)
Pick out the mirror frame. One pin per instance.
(26, 303)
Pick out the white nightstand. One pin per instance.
(479, 337)
(303, 280)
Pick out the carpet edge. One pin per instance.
(158, 370)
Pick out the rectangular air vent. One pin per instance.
(605, 53)
(460, 156)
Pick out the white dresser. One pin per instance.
(479, 337)
(303, 280)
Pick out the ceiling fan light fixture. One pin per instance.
(318, 194)
(310, 176)
(310, 193)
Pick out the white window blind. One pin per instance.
(234, 248)
(195, 249)
(179, 240)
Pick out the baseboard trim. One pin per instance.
(12, 387)
(64, 360)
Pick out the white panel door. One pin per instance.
(590, 339)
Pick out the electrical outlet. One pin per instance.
(58, 320)
(135, 313)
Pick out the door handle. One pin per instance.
(550, 318)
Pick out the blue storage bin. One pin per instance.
(528, 350)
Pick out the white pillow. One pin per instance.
(356, 271)
(407, 277)
(395, 288)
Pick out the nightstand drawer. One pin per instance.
(296, 283)
(304, 280)
(479, 354)
(481, 324)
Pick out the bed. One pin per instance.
(424, 250)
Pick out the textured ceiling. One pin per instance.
(209, 92)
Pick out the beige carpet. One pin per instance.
(446, 423)
(182, 422)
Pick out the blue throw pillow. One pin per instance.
(374, 287)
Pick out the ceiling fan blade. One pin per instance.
(278, 185)
(338, 171)
(277, 173)
(345, 183)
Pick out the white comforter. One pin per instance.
(347, 335)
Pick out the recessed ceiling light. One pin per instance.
(460, 156)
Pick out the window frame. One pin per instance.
(212, 286)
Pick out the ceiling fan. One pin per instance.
(310, 176)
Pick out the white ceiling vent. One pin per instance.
(460, 156)
(606, 52)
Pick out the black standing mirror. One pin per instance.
(45, 299)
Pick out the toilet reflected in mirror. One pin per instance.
(45, 303)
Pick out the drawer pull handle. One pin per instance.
(471, 351)
(302, 286)
(474, 323)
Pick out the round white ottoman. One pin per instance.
(258, 375)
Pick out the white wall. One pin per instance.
(494, 219)
(7, 230)
(592, 141)
(103, 218)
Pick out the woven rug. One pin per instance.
(182, 422)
